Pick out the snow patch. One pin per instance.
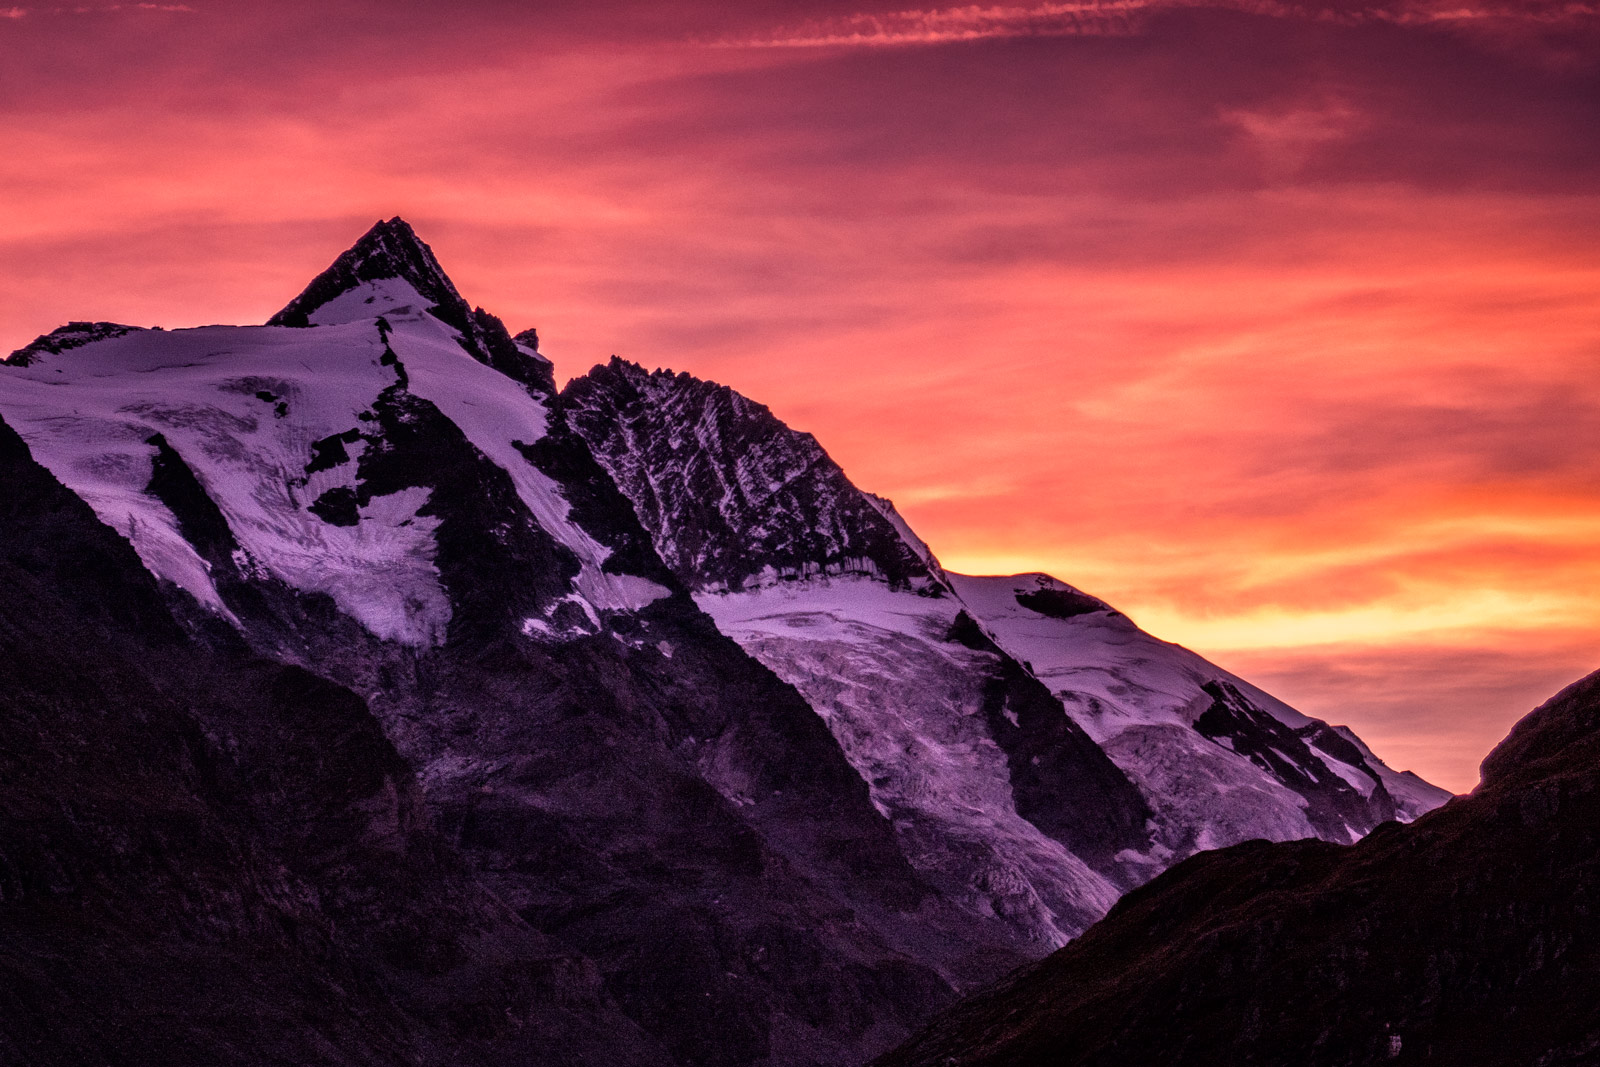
(369, 300)
(1112, 674)
(1357, 779)
(1138, 697)
(242, 407)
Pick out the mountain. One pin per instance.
(1003, 802)
(1466, 938)
(617, 711)
(366, 498)
(946, 691)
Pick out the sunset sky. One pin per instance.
(1275, 323)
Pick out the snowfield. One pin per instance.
(1114, 678)
(244, 407)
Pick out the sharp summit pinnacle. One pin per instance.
(388, 250)
(391, 268)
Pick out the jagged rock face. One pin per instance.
(734, 498)
(370, 498)
(1467, 938)
(947, 692)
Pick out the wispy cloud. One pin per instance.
(95, 9)
(935, 26)
(1117, 18)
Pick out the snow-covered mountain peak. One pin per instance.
(331, 461)
(391, 271)
(389, 267)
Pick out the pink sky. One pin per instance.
(1273, 323)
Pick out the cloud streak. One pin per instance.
(98, 9)
(945, 25)
(1123, 18)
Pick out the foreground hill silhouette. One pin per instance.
(1471, 937)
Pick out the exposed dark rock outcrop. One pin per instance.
(1061, 603)
(1063, 783)
(729, 492)
(1335, 808)
(63, 338)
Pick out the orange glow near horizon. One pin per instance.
(1278, 332)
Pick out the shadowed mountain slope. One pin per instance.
(207, 858)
